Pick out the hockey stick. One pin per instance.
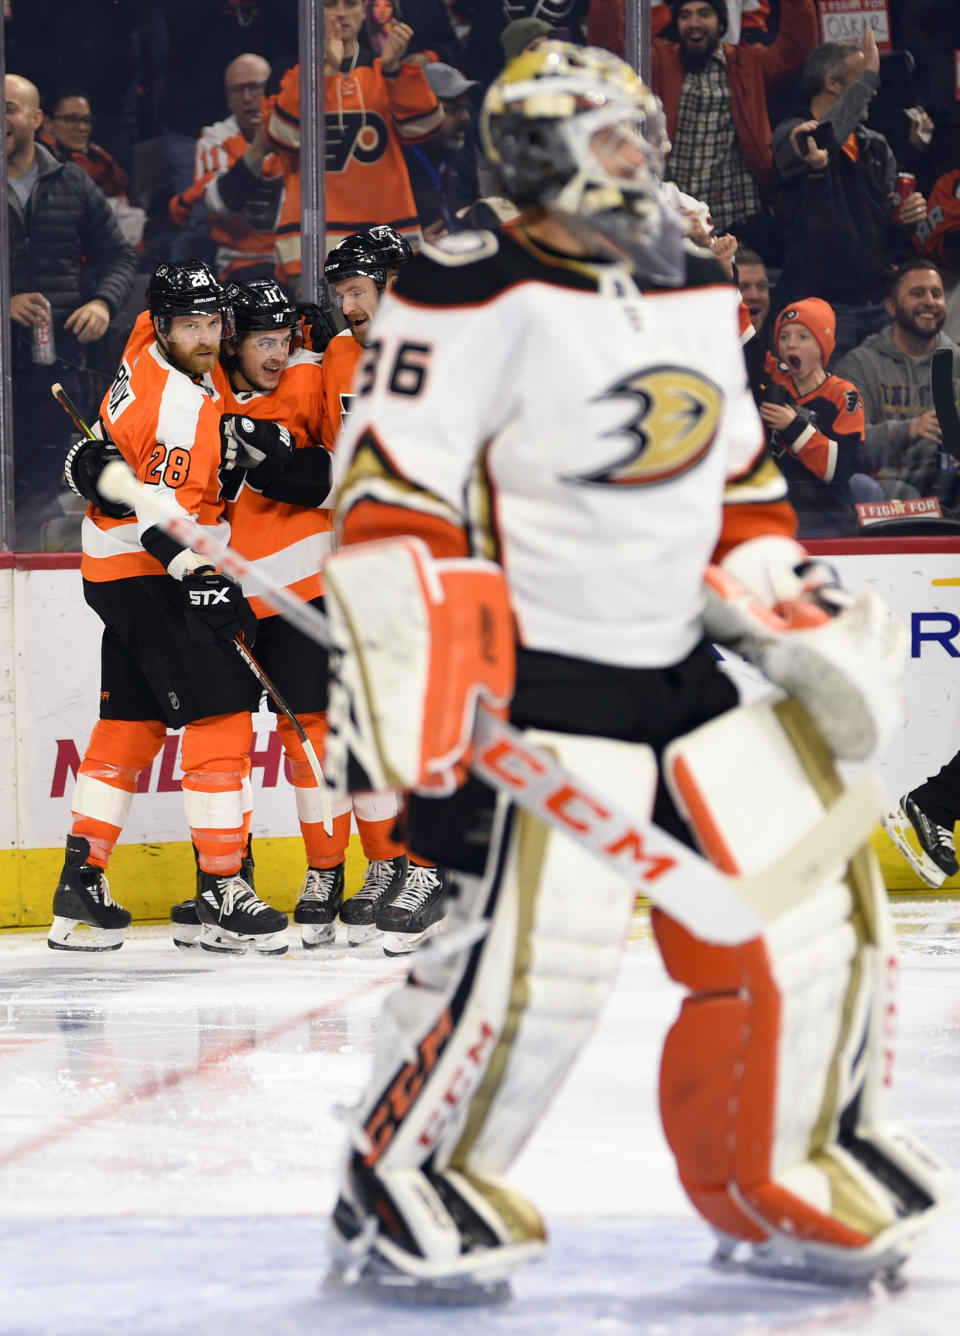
(326, 811)
(712, 905)
(944, 400)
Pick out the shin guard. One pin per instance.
(489, 1022)
(772, 1076)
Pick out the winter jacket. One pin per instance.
(754, 72)
(895, 388)
(840, 237)
(68, 246)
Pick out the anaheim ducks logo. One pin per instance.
(674, 416)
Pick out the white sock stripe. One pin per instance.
(101, 801)
(376, 806)
(310, 807)
(213, 811)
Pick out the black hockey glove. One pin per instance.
(216, 609)
(321, 326)
(82, 467)
(264, 449)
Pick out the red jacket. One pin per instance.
(753, 72)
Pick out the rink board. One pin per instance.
(49, 668)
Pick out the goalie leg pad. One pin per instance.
(419, 641)
(772, 1077)
(487, 1026)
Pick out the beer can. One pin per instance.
(905, 184)
(44, 352)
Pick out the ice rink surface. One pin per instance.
(170, 1144)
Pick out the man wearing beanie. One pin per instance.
(714, 97)
(523, 35)
(815, 420)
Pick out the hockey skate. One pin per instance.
(82, 898)
(417, 913)
(235, 920)
(187, 927)
(384, 879)
(935, 860)
(366, 1263)
(318, 903)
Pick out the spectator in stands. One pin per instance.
(746, 19)
(372, 111)
(715, 100)
(237, 184)
(67, 133)
(434, 36)
(483, 53)
(836, 195)
(754, 284)
(524, 35)
(442, 169)
(69, 264)
(891, 369)
(815, 421)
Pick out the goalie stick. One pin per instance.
(326, 811)
(944, 401)
(717, 908)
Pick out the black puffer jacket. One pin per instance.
(67, 245)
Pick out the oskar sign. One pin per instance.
(845, 20)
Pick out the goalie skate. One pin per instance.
(235, 920)
(318, 903)
(86, 918)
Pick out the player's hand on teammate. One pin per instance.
(216, 608)
(82, 468)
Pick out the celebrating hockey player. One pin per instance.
(169, 618)
(552, 440)
(275, 477)
(358, 270)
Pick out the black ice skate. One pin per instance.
(184, 917)
(935, 859)
(318, 904)
(235, 920)
(384, 879)
(83, 897)
(416, 913)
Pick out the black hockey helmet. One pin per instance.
(371, 253)
(262, 304)
(188, 287)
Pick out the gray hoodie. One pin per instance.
(894, 388)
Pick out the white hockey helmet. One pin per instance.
(576, 130)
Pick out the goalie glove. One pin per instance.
(216, 608)
(841, 657)
(263, 449)
(82, 467)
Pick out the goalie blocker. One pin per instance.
(772, 1077)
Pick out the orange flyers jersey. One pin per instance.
(367, 119)
(339, 365)
(289, 543)
(167, 427)
(938, 236)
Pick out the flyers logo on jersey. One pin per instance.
(354, 134)
(672, 424)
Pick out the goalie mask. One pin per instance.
(575, 130)
(187, 288)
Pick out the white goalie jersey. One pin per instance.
(577, 430)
